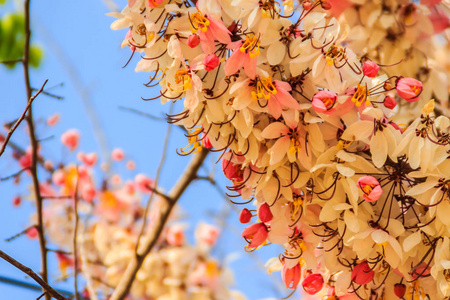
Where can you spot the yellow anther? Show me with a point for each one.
(194, 142)
(361, 95)
(251, 45)
(199, 21)
(263, 88)
(182, 78)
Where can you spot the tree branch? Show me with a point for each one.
(34, 149)
(149, 241)
(11, 131)
(46, 288)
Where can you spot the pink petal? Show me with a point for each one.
(220, 32)
(234, 62)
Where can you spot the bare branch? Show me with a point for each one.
(19, 234)
(34, 150)
(11, 131)
(47, 288)
(158, 174)
(14, 175)
(150, 239)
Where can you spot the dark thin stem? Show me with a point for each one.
(34, 151)
(11, 131)
(50, 292)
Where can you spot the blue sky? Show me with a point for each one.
(83, 54)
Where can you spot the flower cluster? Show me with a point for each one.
(410, 32)
(112, 214)
(306, 126)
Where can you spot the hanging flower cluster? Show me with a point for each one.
(410, 32)
(112, 215)
(306, 127)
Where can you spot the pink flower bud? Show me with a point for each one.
(362, 274)
(264, 213)
(313, 283)
(175, 235)
(399, 290)
(87, 159)
(323, 101)
(53, 120)
(306, 4)
(409, 89)
(255, 234)
(211, 62)
(207, 234)
(193, 40)
(131, 165)
(370, 187)
(16, 201)
(25, 160)
(32, 233)
(117, 154)
(291, 276)
(143, 183)
(370, 69)
(70, 139)
(389, 102)
(245, 216)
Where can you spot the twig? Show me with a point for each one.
(30, 286)
(51, 95)
(75, 233)
(59, 251)
(141, 113)
(6, 62)
(152, 117)
(46, 288)
(34, 149)
(14, 175)
(11, 131)
(158, 174)
(151, 237)
(19, 234)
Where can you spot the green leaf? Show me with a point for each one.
(36, 55)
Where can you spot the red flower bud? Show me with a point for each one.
(193, 40)
(291, 276)
(389, 102)
(306, 5)
(211, 62)
(313, 283)
(399, 290)
(16, 201)
(362, 274)
(409, 89)
(370, 69)
(256, 234)
(245, 216)
(264, 213)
